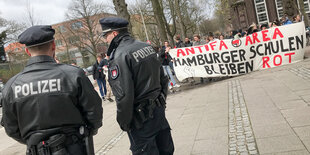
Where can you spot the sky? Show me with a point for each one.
(45, 11)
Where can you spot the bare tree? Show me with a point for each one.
(121, 9)
(84, 27)
(144, 8)
(31, 19)
(169, 20)
(289, 7)
(10, 30)
(64, 40)
(158, 13)
(303, 12)
(180, 18)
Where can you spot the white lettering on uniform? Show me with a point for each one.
(32, 92)
(44, 86)
(58, 84)
(39, 87)
(25, 89)
(44, 90)
(52, 85)
(143, 53)
(135, 55)
(17, 90)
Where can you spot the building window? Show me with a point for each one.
(76, 25)
(74, 39)
(62, 29)
(261, 11)
(279, 6)
(58, 43)
(306, 5)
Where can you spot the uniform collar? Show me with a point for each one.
(115, 42)
(40, 59)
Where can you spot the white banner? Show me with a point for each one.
(265, 49)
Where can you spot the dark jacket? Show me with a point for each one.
(135, 75)
(98, 71)
(188, 44)
(48, 96)
(179, 44)
(165, 57)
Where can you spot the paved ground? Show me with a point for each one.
(264, 112)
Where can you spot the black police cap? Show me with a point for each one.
(37, 35)
(112, 23)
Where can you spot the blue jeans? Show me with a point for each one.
(101, 82)
(167, 70)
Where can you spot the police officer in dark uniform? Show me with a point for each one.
(140, 88)
(50, 107)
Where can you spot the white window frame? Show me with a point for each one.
(304, 5)
(279, 8)
(266, 12)
(62, 29)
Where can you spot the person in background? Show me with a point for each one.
(99, 76)
(238, 35)
(244, 33)
(197, 40)
(252, 29)
(140, 89)
(187, 42)
(296, 18)
(211, 37)
(231, 34)
(207, 39)
(178, 42)
(264, 27)
(104, 65)
(222, 37)
(166, 59)
(275, 23)
(285, 20)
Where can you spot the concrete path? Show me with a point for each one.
(265, 112)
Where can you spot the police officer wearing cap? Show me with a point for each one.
(140, 88)
(49, 107)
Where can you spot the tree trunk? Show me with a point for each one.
(158, 13)
(288, 7)
(169, 33)
(121, 9)
(303, 12)
(181, 22)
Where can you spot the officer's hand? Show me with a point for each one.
(125, 127)
(93, 132)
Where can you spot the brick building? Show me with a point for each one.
(73, 43)
(246, 12)
(16, 52)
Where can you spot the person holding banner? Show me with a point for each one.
(187, 42)
(197, 40)
(166, 59)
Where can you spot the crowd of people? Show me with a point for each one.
(196, 39)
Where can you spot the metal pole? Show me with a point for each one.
(147, 37)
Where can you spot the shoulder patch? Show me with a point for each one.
(114, 72)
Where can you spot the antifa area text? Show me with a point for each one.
(270, 51)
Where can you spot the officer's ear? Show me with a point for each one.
(53, 46)
(27, 51)
(115, 33)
